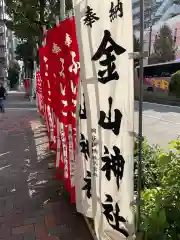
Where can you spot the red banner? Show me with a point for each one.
(39, 95)
(59, 70)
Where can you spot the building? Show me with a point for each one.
(7, 44)
(150, 8)
(11, 44)
(167, 10)
(155, 11)
(3, 62)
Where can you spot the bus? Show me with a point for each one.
(158, 75)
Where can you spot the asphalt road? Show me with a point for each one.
(161, 123)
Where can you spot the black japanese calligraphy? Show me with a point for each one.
(87, 186)
(116, 10)
(84, 146)
(112, 74)
(95, 153)
(112, 215)
(90, 17)
(109, 124)
(82, 111)
(113, 164)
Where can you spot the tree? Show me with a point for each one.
(13, 73)
(164, 47)
(27, 20)
(28, 16)
(174, 85)
(25, 53)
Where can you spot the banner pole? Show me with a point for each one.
(62, 9)
(141, 78)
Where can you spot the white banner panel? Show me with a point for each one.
(105, 38)
(83, 167)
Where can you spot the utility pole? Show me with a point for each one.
(150, 31)
(141, 79)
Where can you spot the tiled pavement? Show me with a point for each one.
(33, 204)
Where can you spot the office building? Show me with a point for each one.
(155, 11)
(3, 60)
(150, 8)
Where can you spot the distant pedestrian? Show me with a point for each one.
(2, 97)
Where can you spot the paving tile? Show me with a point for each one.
(40, 230)
(5, 232)
(50, 221)
(31, 220)
(15, 237)
(49, 238)
(36, 210)
(16, 220)
(60, 230)
(3, 191)
(29, 236)
(23, 229)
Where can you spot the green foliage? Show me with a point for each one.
(24, 15)
(13, 73)
(28, 16)
(174, 86)
(164, 48)
(24, 51)
(149, 165)
(160, 214)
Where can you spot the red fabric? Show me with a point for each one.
(59, 70)
(39, 95)
(72, 70)
(43, 53)
(56, 58)
(63, 71)
(26, 83)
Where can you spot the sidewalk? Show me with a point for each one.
(33, 205)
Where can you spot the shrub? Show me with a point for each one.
(149, 165)
(174, 86)
(160, 214)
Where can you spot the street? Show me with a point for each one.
(161, 123)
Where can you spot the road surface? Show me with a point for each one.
(161, 123)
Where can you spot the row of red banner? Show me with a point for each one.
(56, 90)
